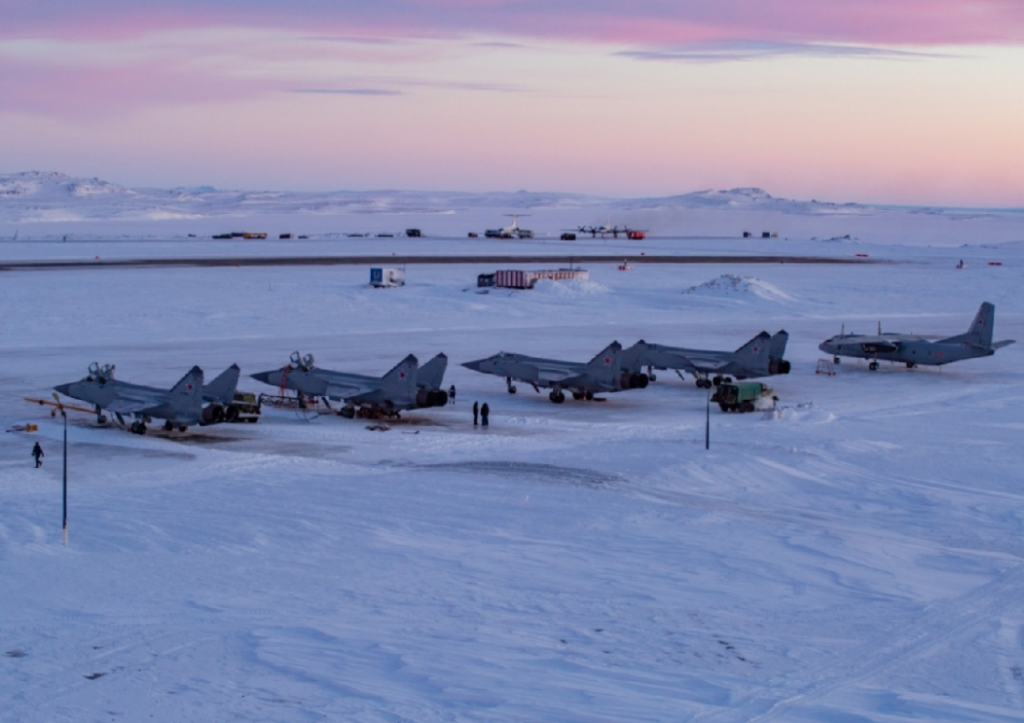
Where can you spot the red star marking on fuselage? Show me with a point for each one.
(607, 360)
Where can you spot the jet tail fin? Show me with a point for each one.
(607, 363)
(222, 389)
(635, 357)
(402, 379)
(754, 355)
(431, 374)
(1001, 344)
(190, 387)
(980, 331)
(777, 344)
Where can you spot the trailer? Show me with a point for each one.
(519, 279)
(381, 278)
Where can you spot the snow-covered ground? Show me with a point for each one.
(856, 556)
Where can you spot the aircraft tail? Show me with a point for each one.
(754, 355)
(431, 374)
(635, 357)
(776, 351)
(607, 364)
(223, 388)
(190, 388)
(980, 331)
(401, 381)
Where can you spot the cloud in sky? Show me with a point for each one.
(659, 22)
(645, 97)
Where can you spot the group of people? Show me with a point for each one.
(481, 414)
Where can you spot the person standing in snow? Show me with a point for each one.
(451, 394)
(485, 412)
(37, 452)
(476, 412)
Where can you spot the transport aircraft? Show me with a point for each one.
(512, 231)
(406, 386)
(912, 350)
(603, 373)
(759, 357)
(180, 407)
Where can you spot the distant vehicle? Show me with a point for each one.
(485, 280)
(383, 278)
(413, 233)
(912, 350)
(741, 396)
(603, 373)
(284, 237)
(180, 407)
(512, 231)
(473, 234)
(406, 386)
(247, 408)
(762, 356)
(567, 236)
(221, 236)
(385, 235)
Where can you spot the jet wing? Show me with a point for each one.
(124, 404)
(344, 390)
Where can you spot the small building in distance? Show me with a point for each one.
(381, 278)
(519, 279)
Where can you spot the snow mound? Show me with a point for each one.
(733, 286)
(805, 413)
(569, 287)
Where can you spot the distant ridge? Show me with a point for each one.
(50, 196)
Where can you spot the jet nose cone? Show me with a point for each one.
(64, 389)
(262, 377)
(474, 365)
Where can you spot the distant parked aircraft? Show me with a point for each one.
(603, 373)
(407, 386)
(180, 407)
(759, 357)
(512, 231)
(913, 350)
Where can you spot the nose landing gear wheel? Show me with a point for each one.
(556, 397)
(873, 366)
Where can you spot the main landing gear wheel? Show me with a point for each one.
(348, 412)
(588, 395)
(168, 427)
(138, 428)
(512, 389)
(556, 397)
(835, 360)
(577, 396)
(873, 366)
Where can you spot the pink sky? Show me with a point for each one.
(903, 101)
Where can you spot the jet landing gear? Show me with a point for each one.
(510, 385)
(873, 366)
(138, 427)
(556, 396)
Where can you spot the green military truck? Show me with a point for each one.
(743, 396)
(245, 408)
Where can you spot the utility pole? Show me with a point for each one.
(63, 413)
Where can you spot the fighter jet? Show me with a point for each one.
(913, 350)
(407, 386)
(180, 407)
(603, 373)
(760, 357)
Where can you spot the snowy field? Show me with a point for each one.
(857, 556)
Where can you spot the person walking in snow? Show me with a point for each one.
(451, 394)
(485, 412)
(37, 452)
(476, 412)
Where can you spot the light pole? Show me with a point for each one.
(707, 422)
(63, 413)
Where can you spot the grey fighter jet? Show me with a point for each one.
(180, 407)
(407, 386)
(603, 373)
(912, 350)
(760, 357)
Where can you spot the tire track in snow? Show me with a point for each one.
(938, 624)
